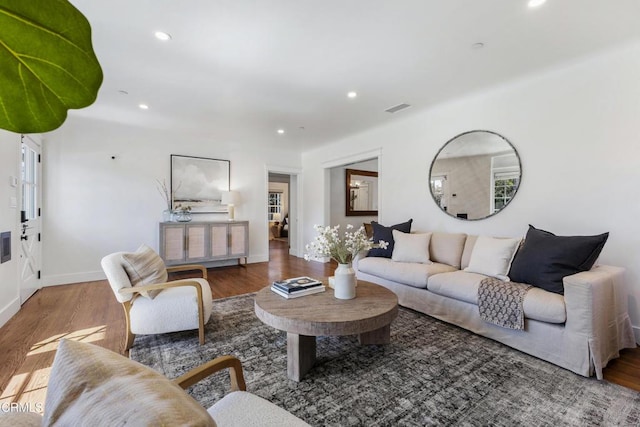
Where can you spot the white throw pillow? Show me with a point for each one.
(409, 247)
(492, 256)
(145, 267)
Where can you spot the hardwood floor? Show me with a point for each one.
(89, 312)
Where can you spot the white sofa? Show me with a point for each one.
(581, 330)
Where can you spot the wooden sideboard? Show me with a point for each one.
(200, 242)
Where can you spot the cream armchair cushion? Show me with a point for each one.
(173, 309)
(231, 410)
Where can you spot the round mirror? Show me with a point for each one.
(475, 175)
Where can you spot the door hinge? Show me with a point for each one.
(38, 274)
(39, 212)
(39, 158)
(39, 237)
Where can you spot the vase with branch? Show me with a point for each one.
(342, 249)
(167, 196)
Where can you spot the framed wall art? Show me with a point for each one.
(198, 182)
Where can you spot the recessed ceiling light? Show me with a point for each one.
(478, 45)
(280, 131)
(536, 3)
(161, 35)
(143, 106)
(352, 94)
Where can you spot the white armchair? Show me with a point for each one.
(178, 305)
(92, 386)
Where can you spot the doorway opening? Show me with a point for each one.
(278, 214)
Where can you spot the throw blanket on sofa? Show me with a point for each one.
(501, 302)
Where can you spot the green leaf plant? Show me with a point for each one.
(47, 64)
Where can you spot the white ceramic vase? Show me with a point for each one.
(344, 282)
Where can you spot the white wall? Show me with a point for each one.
(95, 205)
(9, 221)
(577, 131)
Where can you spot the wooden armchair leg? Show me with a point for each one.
(130, 336)
(200, 314)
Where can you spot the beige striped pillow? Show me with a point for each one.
(92, 386)
(145, 267)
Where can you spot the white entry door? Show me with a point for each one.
(30, 245)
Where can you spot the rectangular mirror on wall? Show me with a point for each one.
(362, 192)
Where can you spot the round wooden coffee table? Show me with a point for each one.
(369, 315)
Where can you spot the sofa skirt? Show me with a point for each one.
(551, 342)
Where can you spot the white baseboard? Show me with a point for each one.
(90, 276)
(9, 310)
(65, 279)
(258, 258)
(636, 332)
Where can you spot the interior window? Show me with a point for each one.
(275, 206)
(29, 182)
(505, 185)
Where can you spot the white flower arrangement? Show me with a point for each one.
(343, 250)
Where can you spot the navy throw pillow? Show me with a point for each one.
(544, 258)
(380, 232)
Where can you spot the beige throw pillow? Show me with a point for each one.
(92, 386)
(411, 247)
(145, 267)
(492, 256)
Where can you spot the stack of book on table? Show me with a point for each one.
(297, 287)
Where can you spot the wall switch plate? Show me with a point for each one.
(13, 181)
(13, 202)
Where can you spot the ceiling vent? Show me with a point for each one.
(397, 108)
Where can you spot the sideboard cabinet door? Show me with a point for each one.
(196, 245)
(239, 236)
(172, 248)
(219, 242)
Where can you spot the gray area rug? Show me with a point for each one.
(432, 373)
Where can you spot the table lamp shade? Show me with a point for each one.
(229, 197)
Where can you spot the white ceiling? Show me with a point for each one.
(237, 70)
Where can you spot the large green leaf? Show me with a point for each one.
(47, 64)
